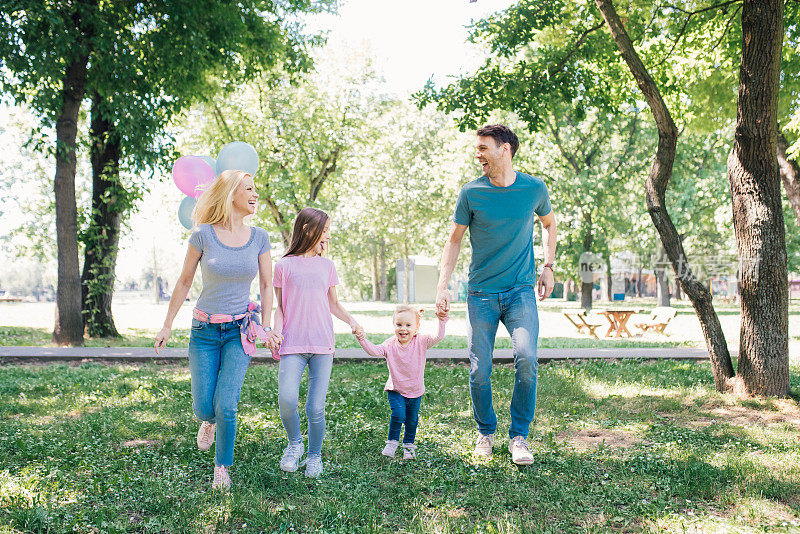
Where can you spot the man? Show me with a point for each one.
(499, 208)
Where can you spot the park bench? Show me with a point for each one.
(578, 319)
(658, 320)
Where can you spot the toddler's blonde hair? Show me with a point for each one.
(418, 312)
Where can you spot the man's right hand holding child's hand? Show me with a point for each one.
(441, 314)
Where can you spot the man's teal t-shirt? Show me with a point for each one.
(501, 222)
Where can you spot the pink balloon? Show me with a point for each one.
(190, 173)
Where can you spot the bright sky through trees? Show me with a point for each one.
(412, 39)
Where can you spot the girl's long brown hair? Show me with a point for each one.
(308, 228)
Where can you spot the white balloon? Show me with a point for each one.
(238, 155)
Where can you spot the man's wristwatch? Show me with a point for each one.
(550, 266)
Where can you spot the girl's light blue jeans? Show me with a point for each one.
(289, 375)
(516, 308)
(217, 363)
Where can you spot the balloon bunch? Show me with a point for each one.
(193, 173)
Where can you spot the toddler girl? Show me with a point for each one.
(305, 288)
(405, 356)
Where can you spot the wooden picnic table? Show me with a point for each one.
(617, 319)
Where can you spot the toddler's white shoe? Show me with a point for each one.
(409, 451)
(390, 448)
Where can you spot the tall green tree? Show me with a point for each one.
(303, 128)
(670, 40)
(138, 63)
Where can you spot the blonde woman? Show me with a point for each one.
(225, 323)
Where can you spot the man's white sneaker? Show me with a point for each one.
(205, 435)
(409, 451)
(291, 457)
(520, 451)
(222, 480)
(314, 466)
(390, 448)
(484, 444)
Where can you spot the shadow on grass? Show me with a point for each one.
(76, 471)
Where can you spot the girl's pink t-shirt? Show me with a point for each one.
(406, 364)
(307, 323)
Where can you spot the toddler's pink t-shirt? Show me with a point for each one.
(307, 323)
(406, 364)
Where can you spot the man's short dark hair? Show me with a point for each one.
(501, 134)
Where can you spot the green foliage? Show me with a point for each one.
(303, 128)
(540, 54)
(617, 447)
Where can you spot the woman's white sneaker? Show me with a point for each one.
(222, 480)
(290, 461)
(520, 451)
(205, 435)
(390, 448)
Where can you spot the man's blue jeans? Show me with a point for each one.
(217, 363)
(516, 308)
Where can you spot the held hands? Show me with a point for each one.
(545, 284)
(441, 315)
(274, 340)
(358, 331)
(442, 303)
(162, 337)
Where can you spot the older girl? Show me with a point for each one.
(225, 324)
(305, 285)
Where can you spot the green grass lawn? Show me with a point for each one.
(24, 336)
(618, 446)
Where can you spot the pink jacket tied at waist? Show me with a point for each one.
(251, 329)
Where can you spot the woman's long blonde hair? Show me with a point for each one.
(215, 204)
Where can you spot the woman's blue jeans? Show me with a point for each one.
(516, 308)
(404, 411)
(289, 375)
(217, 363)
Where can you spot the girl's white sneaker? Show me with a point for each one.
(314, 466)
(409, 451)
(390, 448)
(291, 457)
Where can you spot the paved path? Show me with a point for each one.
(142, 354)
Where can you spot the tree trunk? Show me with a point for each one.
(587, 287)
(68, 329)
(639, 283)
(661, 279)
(109, 202)
(609, 280)
(757, 210)
(656, 187)
(376, 280)
(790, 176)
(384, 273)
(663, 288)
(407, 269)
